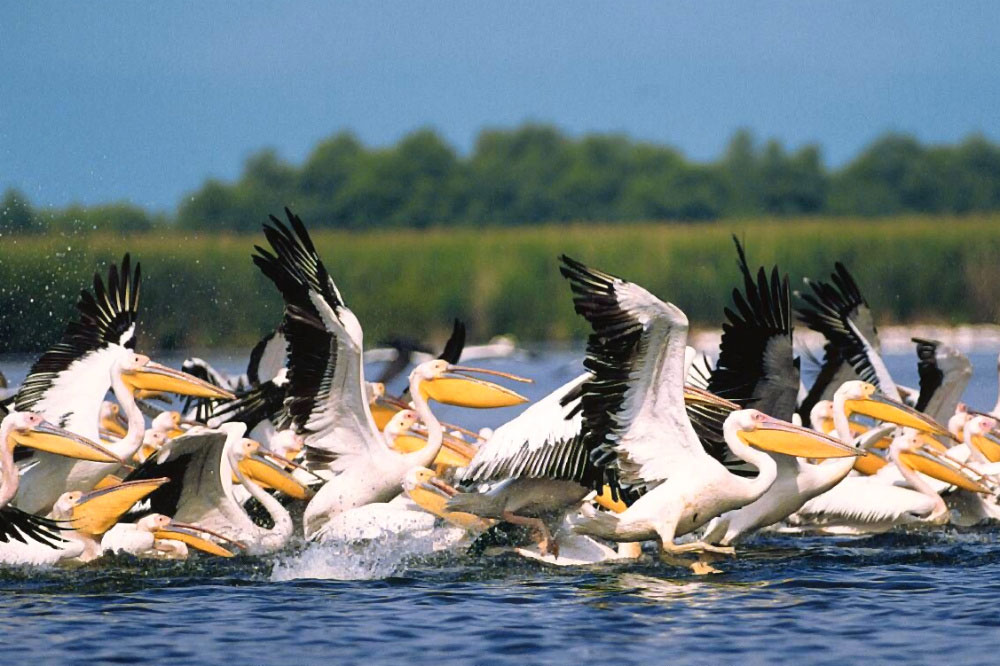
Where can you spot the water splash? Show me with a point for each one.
(363, 559)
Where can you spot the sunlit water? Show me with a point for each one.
(914, 597)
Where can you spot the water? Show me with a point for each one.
(918, 597)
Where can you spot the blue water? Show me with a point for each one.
(916, 597)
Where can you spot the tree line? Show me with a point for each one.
(537, 174)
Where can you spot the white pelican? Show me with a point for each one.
(637, 430)
(157, 536)
(68, 384)
(202, 465)
(26, 538)
(327, 399)
(757, 368)
(86, 518)
(799, 481)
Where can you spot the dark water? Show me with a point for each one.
(913, 597)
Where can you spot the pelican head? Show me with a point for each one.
(164, 529)
(257, 463)
(376, 390)
(30, 429)
(142, 374)
(152, 441)
(63, 508)
(153, 522)
(111, 419)
(912, 453)
(431, 494)
(863, 398)
(401, 422)
(958, 421)
(982, 436)
(770, 434)
(450, 384)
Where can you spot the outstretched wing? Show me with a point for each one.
(105, 317)
(544, 441)
(635, 427)
(17, 525)
(326, 399)
(944, 374)
(842, 315)
(756, 366)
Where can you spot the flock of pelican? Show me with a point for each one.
(652, 442)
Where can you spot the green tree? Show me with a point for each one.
(16, 215)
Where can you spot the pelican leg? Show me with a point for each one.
(546, 544)
(630, 549)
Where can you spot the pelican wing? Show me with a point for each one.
(16, 525)
(842, 315)
(200, 489)
(105, 317)
(267, 358)
(756, 366)
(931, 376)
(326, 399)
(944, 374)
(544, 441)
(634, 422)
(191, 453)
(263, 402)
(862, 500)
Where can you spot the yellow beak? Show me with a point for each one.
(883, 409)
(53, 439)
(453, 453)
(780, 437)
(608, 502)
(469, 392)
(191, 535)
(156, 377)
(108, 481)
(98, 510)
(268, 475)
(988, 445)
(869, 463)
(936, 466)
(432, 495)
(463, 391)
(382, 413)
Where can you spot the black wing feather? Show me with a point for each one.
(106, 317)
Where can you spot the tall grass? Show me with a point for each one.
(203, 291)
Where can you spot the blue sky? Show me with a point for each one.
(103, 101)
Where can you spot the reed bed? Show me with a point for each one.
(202, 291)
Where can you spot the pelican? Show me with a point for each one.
(69, 382)
(157, 536)
(201, 465)
(804, 480)
(86, 518)
(26, 538)
(637, 430)
(756, 368)
(327, 399)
